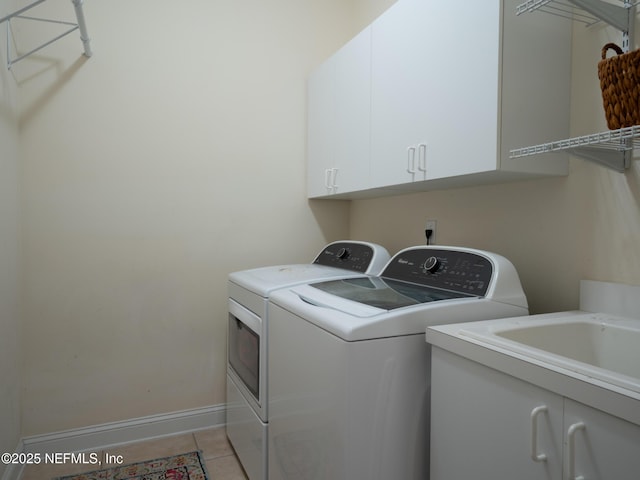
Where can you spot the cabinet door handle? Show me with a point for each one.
(334, 177)
(330, 179)
(411, 160)
(422, 157)
(327, 179)
(571, 435)
(535, 413)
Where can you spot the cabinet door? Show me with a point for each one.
(481, 424)
(339, 116)
(463, 101)
(435, 82)
(399, 67)
(604, 447)
(320, 115)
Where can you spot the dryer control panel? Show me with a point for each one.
(453, 270)
(359, 257)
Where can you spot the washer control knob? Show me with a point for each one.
(343, 254)
(431, 265)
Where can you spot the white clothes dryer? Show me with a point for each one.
(247, 372)
(349, 370)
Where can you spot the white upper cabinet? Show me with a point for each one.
(339, 113)
(435, 70)
(452, 88)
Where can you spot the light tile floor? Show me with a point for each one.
(221, 462)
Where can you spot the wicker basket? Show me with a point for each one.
(620, 84)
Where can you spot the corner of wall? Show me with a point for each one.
(10, 326)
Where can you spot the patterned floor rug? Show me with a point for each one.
(186, 466)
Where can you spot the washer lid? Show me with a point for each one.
(370, 296)
(385, 293)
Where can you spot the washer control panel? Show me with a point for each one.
(356, 256)
(454, 270)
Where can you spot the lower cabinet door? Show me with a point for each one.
(487, 425)
(599, 446)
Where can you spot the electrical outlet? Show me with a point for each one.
(431, 225)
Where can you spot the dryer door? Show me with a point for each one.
(244, 347)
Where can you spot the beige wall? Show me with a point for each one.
(10, 372)
(532, 223)
(611, 237)
(173, 156)
(177, 154)
(366, 11)
(556, 231)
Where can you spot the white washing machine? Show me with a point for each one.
(349, 370)
(247, 382)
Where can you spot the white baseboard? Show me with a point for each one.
(98, 437)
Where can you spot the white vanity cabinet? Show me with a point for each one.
(452, 88)
(339, 112)
(488, 425)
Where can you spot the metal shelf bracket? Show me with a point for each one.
(80, 25)
(589, 12)
(615, 16)
(618, 161)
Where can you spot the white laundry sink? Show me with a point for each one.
(599, 346)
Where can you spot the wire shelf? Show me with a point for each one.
(588, 12)
(559, 8)
(80, 25)
(613, 149)
(621, 140)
